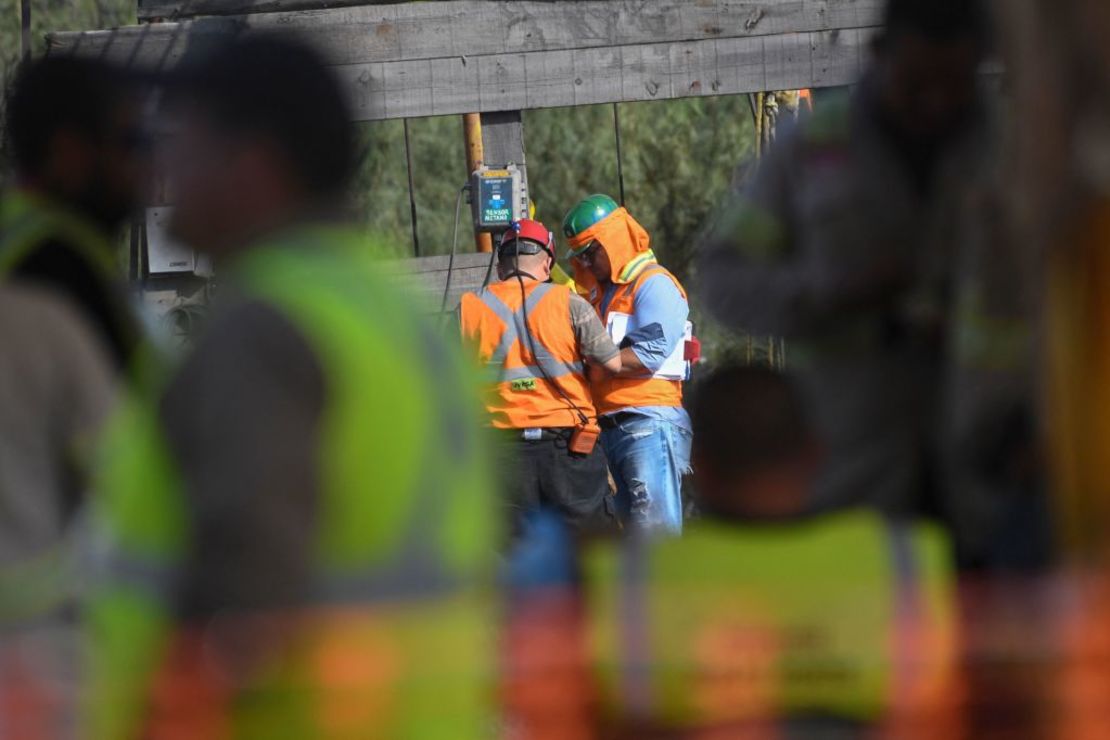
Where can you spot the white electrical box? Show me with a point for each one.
(166, 256)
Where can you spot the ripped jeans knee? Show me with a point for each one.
(648, 460)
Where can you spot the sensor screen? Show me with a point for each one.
(496, 201)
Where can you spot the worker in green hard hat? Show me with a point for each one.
(645, 310)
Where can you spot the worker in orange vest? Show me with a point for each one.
(536, 337)
(646, 433)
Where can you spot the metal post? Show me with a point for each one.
(475, 155)
(25, 28)
(620, 160)
(412, 193)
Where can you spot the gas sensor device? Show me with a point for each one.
(497, 198)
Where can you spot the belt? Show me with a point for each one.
(540, 434)
(612, 421)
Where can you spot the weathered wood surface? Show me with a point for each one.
(443, 58)
(426, 277)
(464, 28)
(156, 9)
(641, 72)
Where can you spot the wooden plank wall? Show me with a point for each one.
(440, 58)
(426, 277)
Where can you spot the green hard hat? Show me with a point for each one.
(588, 212)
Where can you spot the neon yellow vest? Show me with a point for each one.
(41, 585)
(739, 623)
(26, 221)
(407, 498)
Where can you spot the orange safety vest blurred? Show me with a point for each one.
(521, 397)
(615, 394)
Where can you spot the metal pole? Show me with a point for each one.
(25, 28)
(475, 155)
(620, 160)
(412, 192)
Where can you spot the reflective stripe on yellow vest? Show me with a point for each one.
(616, 393)
(520, 395)
(404, 525)
(731, 623)
(27, 221)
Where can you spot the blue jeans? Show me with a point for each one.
(648, 458)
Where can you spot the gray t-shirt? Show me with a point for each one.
(594, 342)
(57, 388)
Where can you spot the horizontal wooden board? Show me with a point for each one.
(426, 277)
(544, 79)
(639, 72)
(465, 28)
(149, 9)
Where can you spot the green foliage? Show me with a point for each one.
(678, 160)
(56, 15)
(52, 15)
(439, 171)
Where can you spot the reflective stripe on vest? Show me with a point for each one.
(516, 330)
(26, 221)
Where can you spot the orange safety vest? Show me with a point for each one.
(615, 393)
(520, 396)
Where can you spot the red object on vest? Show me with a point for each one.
(693, 350)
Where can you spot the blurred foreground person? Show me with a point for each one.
(852, 241)
(645, 429)
(537, 337)
(296, 532)
(56, 390)
(73, 139)
(77, 146)
(758, 613)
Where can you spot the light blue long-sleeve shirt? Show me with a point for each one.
(657, 326)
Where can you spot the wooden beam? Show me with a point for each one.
(466, 28)
(426, 277)
(151, 9)
(503, 140)
(545, 79)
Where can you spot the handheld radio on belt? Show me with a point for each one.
(586, 433)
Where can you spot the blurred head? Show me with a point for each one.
(926, 62)
(74, 130)
(264, 140)
(754, 455)
(527, 247)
